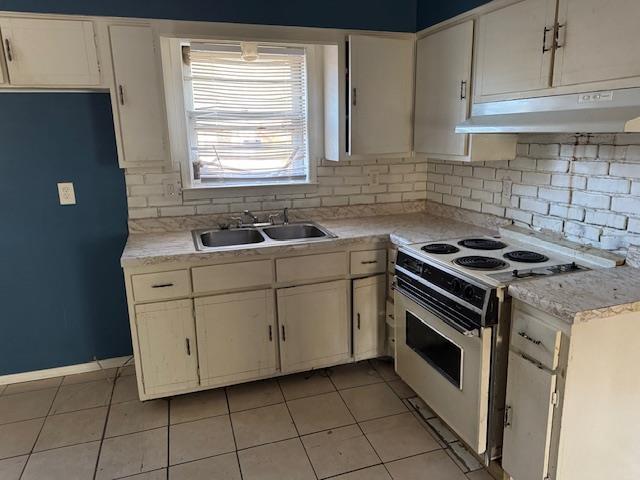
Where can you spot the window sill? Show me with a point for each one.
(197, 193)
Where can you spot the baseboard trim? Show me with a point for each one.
(60, 371)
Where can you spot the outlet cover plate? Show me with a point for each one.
(66, 193)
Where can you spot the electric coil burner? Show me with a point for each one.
(482, 244)
(526, 256)
(440, 248)
(481, 263)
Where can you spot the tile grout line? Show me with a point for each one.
(104, 428)
(41, 428)
(233, 433)
(299, 437)
(169, 402)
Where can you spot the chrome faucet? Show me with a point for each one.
(253, 217)
(239, 221)
(284, 215)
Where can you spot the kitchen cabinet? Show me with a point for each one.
(49, 53)
(167, 344)
(531, 395)
(380, 99)
(314, 325)
(141, 117)
(515, 48)
(443, 76)
(597, 41)
(369, 303)
(236, 336)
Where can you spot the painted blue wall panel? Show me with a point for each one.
(430, 12)
(398, 15)
(61, 286)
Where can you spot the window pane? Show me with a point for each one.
(248, 121)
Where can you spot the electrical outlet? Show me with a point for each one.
(171, 188)
(66, 193)
(374, 179)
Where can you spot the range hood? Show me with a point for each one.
(611, 111)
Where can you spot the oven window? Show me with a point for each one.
(440, 352)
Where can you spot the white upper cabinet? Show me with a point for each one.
(141, 117)
(49, 53)
(515, 48)
(443, 75)
(380, 93)
(597, 41)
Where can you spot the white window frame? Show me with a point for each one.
(171, 51)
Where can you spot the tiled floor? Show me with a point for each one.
(353, 422)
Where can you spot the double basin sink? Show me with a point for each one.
(272, 234)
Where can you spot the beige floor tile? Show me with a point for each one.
(77, 462)
(385, 368)
(200, 439)
(222, 467)
(398, 436)
(262, 425)
(434, 466)
(72, 428)
(26, 406)
(127, 370)
(339, 451)
(305, 385)
(312, 414)
(107, 374)
(11, 468)
(354, 375)
(126, 389)
(372, 401)
(2, 387)
(82, 396)
(136, 416)
(402, 389)
(371, 473)
(254, 394)
(199, 405)
(154, 475)
(479, 475)
(284, 460)
(18, 438)
(132, 454)
(32, 386)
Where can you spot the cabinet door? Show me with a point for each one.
(236, 336)
(529, 415)
(141, 112)
(314, 325)
(369, 302)
(597, 41)
(380, 95)
(50, 52)
(511, 54)
(443, 75)
(167, 341)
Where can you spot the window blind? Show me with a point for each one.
(248, 115)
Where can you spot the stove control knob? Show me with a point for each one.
(456, 286)
(468, 292)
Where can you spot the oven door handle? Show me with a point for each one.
(467, 333)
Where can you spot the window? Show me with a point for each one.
(246, 113)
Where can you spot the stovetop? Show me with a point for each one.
(493, 260)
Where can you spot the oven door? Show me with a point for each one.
(448, 370)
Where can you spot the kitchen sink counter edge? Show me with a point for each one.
(144, 249)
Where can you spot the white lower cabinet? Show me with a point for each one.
(313, 322)
(369, 302)
(236, 337)
(167, 342)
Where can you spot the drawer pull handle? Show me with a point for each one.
(162, 285)
(9, 51)
(121, 94)
(507, 416)
(368, 262)
(358, 321)
(270, 333)
(188, 342)
(284, 334)
(528, 338)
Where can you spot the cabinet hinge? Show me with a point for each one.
(554, 399)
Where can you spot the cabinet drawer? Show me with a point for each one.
(230, 276)
(532, 337)
(310, 267)
(369, 261)
(160, 286)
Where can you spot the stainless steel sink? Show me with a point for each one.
(265, 235)
(294, 231)
(228, 238)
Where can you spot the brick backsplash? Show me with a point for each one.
(586, 188)
(339, 184)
